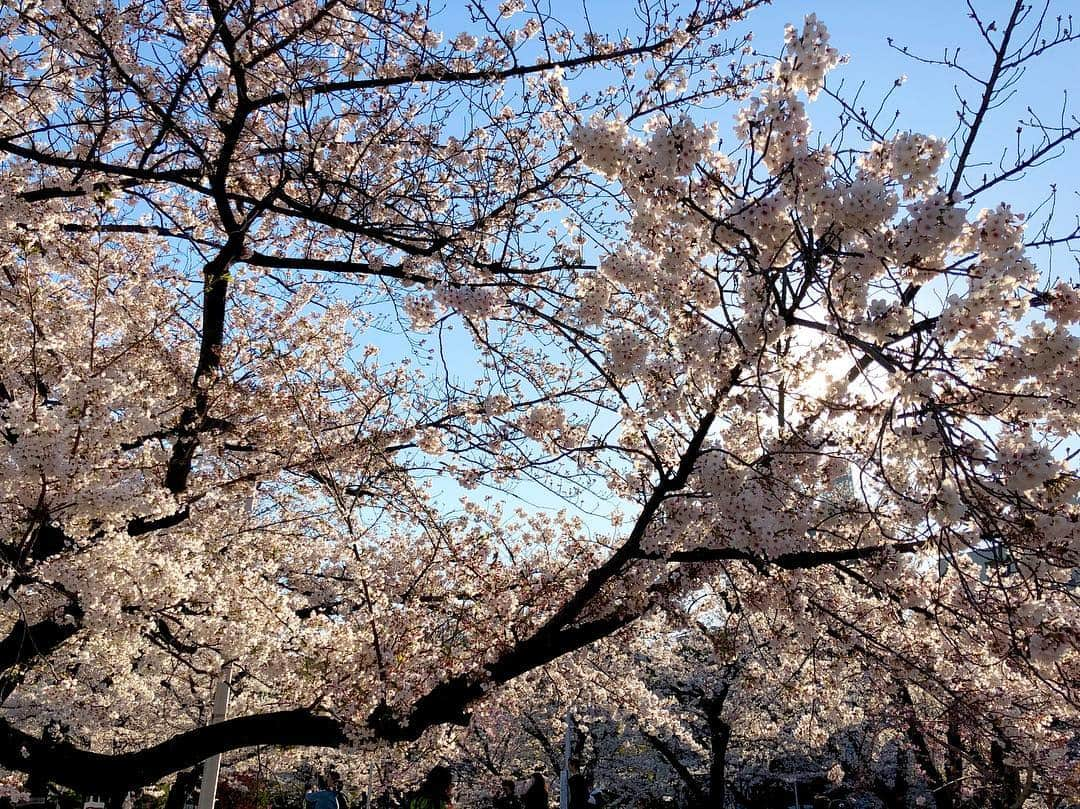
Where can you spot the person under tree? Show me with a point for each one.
(435, 792)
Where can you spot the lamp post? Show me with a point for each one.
(568, 752)
(212, 766)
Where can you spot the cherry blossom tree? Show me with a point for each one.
(298, 319)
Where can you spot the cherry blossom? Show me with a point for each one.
(413, 377)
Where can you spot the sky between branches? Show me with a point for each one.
(924, 101)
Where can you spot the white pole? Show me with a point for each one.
(208, 790)
(564, 776)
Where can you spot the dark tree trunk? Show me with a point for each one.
(183, 785)
(577, 779)
(719, 736)
(921, 748)
(1005, 791)
(697, 797)
(897, 797)
(950, 795)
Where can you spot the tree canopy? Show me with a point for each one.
(312, 309)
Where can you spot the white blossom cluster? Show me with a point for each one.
(543, 422)
(625, 350)
(421, 311)
(996, 280)
(593, 296)
(1024, 463)
(473, 301)
(775, 123)
(924, 237)
(601, 144)
(1064, 304)
(430, 440)
(866, 204)
(509, 8)
(766, 221)
(465, 42)
(629, 268)
(909, 159)
(807, 57)
(674, 150)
